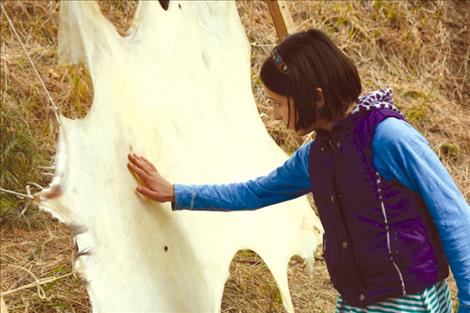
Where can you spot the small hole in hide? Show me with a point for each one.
(179, 5)
(164, 4)
(165, 248)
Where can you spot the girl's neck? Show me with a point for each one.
(328, 125)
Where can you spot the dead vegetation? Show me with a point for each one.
(420, 49)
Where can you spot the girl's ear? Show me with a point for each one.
(320, 99)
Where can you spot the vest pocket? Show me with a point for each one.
(413, 246)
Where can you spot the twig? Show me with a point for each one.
(255, 44)
(6, 71)
(37, 283)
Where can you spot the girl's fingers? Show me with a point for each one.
(147, 165)
(150, 164)
(137, 161)
(138, 171)
(148, 193)
(133, 159)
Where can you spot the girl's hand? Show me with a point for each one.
(154, 186)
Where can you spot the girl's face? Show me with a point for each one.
(281, 108)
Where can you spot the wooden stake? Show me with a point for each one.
(281, 17)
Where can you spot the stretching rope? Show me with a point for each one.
(21, 195)
(54, 107)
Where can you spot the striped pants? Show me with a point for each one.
(436, 299)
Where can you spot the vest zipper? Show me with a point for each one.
(389, 246)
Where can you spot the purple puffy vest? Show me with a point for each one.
(379, 239)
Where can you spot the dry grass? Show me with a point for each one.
(420, 49)
(41, 256)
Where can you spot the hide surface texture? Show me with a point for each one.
(177, 90)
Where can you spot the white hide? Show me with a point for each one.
(177, 90)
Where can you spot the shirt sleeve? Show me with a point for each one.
(401, 153)
(290, 180)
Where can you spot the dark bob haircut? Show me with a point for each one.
(305, 61)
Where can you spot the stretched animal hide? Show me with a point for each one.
(177, 90)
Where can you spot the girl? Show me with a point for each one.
(393, 217)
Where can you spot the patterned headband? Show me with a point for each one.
(279, 62)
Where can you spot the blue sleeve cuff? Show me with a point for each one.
(185, 196)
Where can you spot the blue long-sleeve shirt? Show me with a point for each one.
(406, 158)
